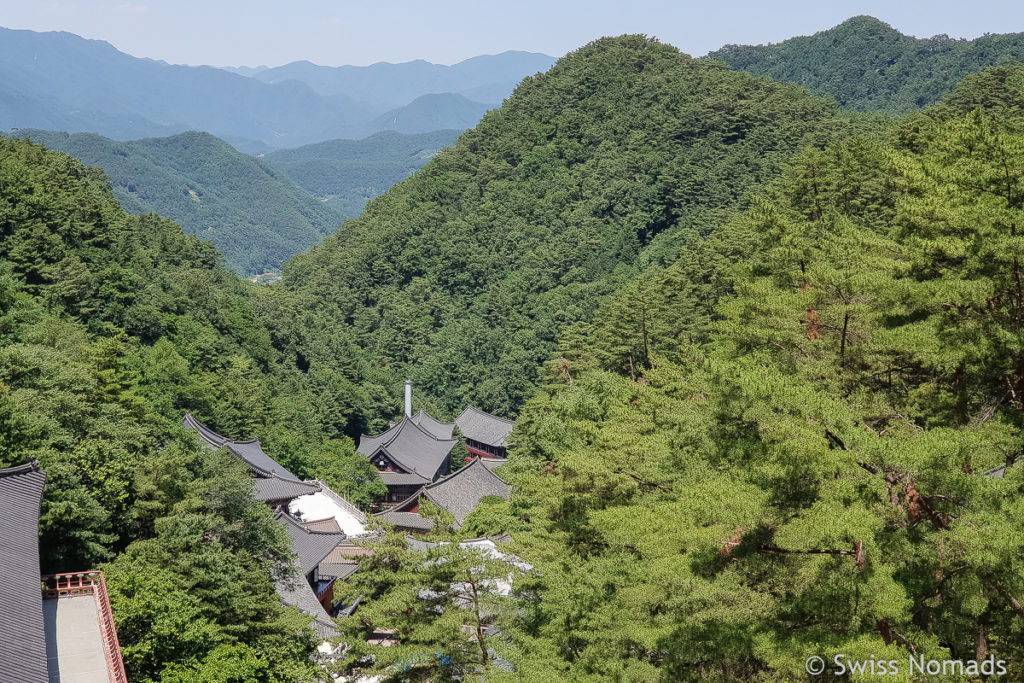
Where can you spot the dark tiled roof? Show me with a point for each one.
(484, 427)
(325, 524)
(440, 430)
(22, 635)
(406, 520)
(339, 570)
(997, 472)
(402, 479)
(493, 463)
(310, 546)
(459, 493)
(275, 488)
(298, 593)
(410, 446)
(250, 452)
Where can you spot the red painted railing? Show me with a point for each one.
(84, 583)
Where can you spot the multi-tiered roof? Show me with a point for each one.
(414, 451)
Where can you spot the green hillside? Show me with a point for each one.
(111, 327)
(348, 173)
(462, 276)
(867, 65)
(803, 469)
(256, 216)
(766, 358)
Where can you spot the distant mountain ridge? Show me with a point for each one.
(867, 65)
(61, 81)
(432, 112)
(254, 214)
(487, 79)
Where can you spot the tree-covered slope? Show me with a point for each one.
(111, 327)
(867, 65)
(805, 469)
(461, 276)
(255, 215)
(348, 173)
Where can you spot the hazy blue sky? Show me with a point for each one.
(233, 32)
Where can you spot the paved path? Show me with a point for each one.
(74, 645)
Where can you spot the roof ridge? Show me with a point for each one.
(476, 460)
(421, 429)
(484, 412)
(442, 422)
(30, 466)
(298, 525)
(314, 521)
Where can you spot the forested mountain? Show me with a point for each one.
(111, 326)
(431, 112)
(767, 357)
(60, 81)
(487, 78)
(778, 445)
(255, 215)
(867, 65)
(348, 173)
(461, 276)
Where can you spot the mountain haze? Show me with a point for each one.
(60, 81)
(255, 215)
(867, 65)
(431, 112)
(348, 173)
(487, 78)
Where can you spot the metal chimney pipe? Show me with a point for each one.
(408, 398)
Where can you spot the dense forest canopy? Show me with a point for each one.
(461, 277)
(767, 359)
(348, 173)
(111, 326)
(867, 65)
(803, 470)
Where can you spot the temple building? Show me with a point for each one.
(458, 494)
(412, 452)
(319, 523)
(279, 488)
(312, 591)
(486, 435)
(52, 628)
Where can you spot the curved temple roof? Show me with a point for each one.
(311, 548)
(483, 427)
(440, 430)
(22, 631)
(411, 446)
(250, 452)
(459, 493)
